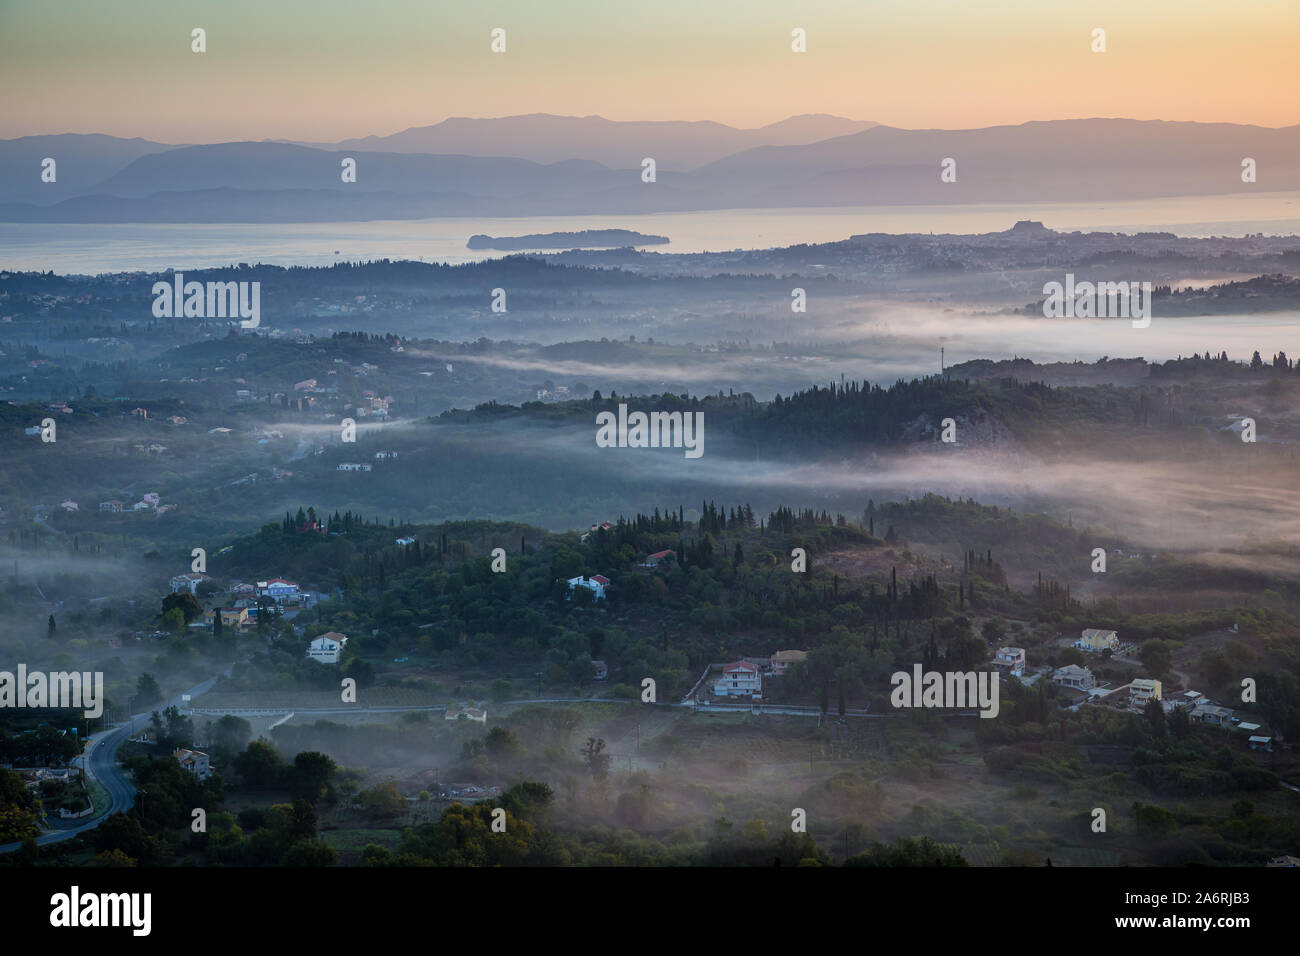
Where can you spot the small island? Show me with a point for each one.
(587, 239)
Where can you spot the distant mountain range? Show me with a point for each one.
(545, 138)
(516, 166)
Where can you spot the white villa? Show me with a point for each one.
(327, 648)
(739, 679)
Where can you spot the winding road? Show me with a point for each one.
(100, 762)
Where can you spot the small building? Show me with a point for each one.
(327, 648)
(658, 558)
(469, 713)
(405, 542)
(781, 660)
(1095, 641)
(596, 584)
(195, 761)
(603, 526)
(230, 616)
(600, 671)
(1141, 690)
(278, 590)
(69, 506)
(114, 506)
(1261, 743)
(1212, 714)
(739, 679)
(1072, 675)
(1011, 659)
(1183, 700)
(187, 582)
(354, 466)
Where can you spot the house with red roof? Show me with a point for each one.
(596, 584)
(739, 679)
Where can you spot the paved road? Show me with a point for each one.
(102, 766)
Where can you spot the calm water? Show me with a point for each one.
(152, 247)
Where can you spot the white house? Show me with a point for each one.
(596, 584)
(739, 679)
(405, 542)
(187, 582)
(327, 647)
(195, 761)
(278, 590)
(353, 466)
(1072, 675)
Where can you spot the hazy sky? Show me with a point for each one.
(330, 69)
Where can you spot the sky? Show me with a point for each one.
(324, 70)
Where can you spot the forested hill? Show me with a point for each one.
(989, 402)
(839, 415)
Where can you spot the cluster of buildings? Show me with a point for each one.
(247, 597)
(373, 405)
(1142, 690)
(149, 502)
